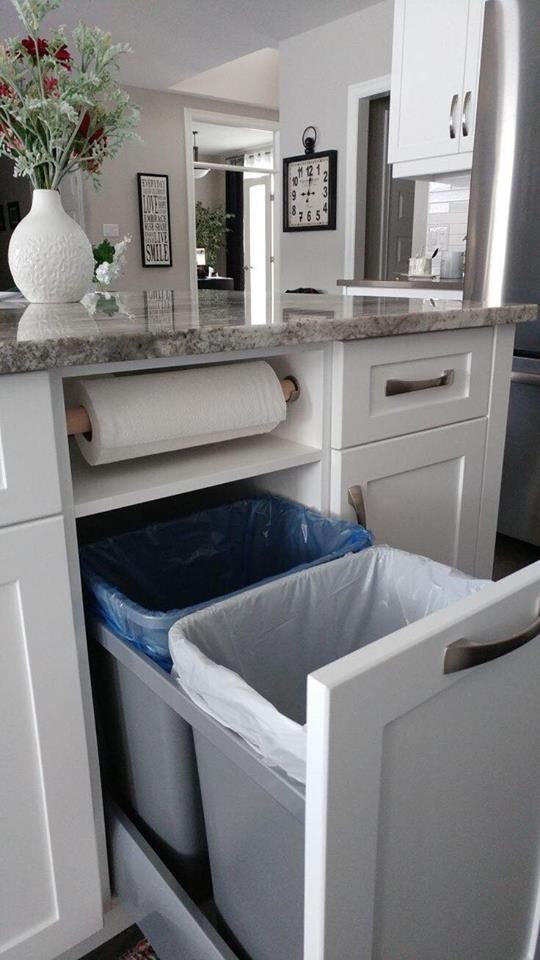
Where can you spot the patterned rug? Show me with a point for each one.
(141, 951)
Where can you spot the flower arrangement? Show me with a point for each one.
(61, 109)
(109, 259)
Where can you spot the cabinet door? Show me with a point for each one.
(49, 879)
(472, 74)
(29, 485)
(423, 788)
(428, 67)
(421, 492)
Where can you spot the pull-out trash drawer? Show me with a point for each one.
(422, 797)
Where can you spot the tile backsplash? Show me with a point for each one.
(448, 207)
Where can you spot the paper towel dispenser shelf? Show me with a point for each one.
(124, 483)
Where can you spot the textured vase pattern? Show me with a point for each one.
(50, 256)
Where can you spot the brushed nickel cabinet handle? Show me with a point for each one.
(395, 387)
(452, 117)
(465, 114)
(529, 379)
(464, 654)
(355, 497)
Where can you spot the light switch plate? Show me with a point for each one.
(111, 230)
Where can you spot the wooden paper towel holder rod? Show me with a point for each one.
(78, 421)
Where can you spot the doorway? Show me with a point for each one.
(231, 177)
(389, 204)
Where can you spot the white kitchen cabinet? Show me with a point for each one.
(435, 69)
(26, 440)
(421, 492)
(49, 879)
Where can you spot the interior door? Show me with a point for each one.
(430, 42)
(423, 788)
(258, 255)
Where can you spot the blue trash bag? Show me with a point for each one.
(140, 583)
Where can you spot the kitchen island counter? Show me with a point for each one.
(120, 327)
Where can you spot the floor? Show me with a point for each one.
(123, 947)
(510, 555)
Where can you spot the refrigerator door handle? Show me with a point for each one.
(530, 379)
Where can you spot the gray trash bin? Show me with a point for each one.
(138, 584)
(245, 662)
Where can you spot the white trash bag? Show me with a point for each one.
(245, 660)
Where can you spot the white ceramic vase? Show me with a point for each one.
(50, 256)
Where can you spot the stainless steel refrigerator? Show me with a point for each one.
(503, 237)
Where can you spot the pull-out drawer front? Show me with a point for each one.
(421, 492)
(423, 786)
(29, 486)
(398, 385)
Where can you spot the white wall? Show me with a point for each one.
(162, 150)
(317, 67)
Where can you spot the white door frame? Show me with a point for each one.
(192, 116)
(355, 94)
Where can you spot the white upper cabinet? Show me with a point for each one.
(435, 68)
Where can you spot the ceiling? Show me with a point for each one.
(174, 40)
(216, 139)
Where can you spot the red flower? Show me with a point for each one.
(64, 57)
(51, 85)
(84, 125)
(6, 91)
(36, 48)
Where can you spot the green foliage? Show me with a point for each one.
(61, 109)
(211, 228)
(103, 252)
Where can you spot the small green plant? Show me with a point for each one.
(211, 228)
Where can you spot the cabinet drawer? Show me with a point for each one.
(392, 386)
(29, 485)
(421, 492)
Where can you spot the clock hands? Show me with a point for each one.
(309, 193)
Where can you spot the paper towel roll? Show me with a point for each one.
(141, 414)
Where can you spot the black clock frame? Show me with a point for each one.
(332, 191)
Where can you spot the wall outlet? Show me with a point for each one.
(111, 230)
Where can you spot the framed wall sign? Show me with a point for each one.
(309, 191)
(154, 214)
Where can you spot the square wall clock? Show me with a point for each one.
(309, 191)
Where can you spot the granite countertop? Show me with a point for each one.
(164, 323)
(408, 283)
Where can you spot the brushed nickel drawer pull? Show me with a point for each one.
(463, 654)
(395, 387)
(529, 379)
(355, 497)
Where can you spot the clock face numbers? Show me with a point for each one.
(309, 192)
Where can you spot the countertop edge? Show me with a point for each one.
(26, 356)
